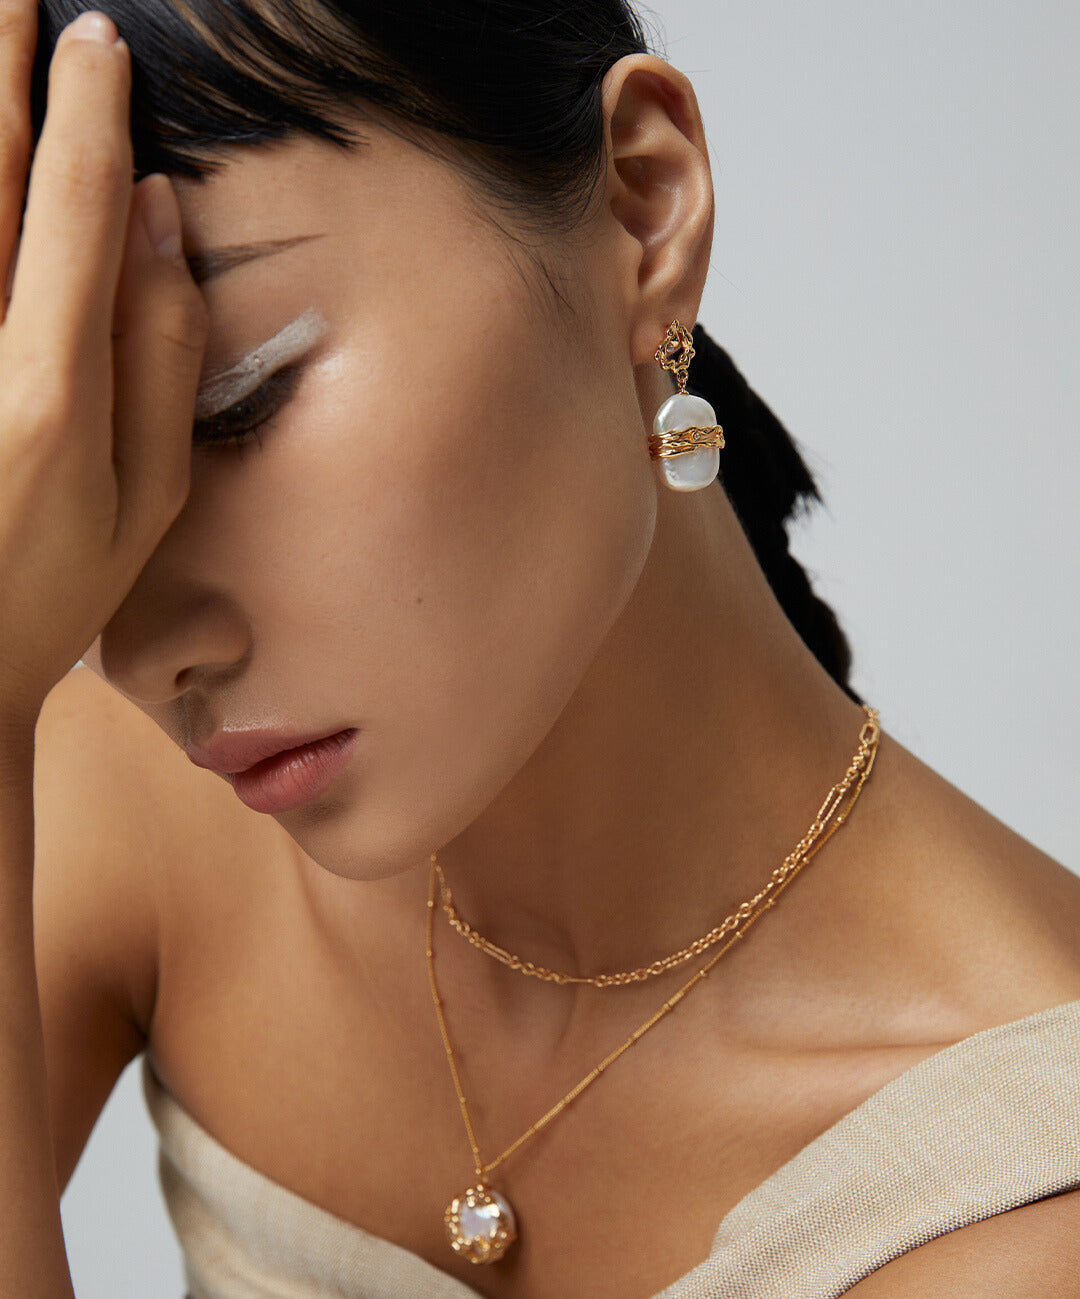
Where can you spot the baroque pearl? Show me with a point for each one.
(691, 469)
(484, 1219)
(480, 1224)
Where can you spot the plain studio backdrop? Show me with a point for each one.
(896, 270)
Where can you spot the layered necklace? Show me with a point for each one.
(480, 1223)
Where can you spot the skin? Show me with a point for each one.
(573, 683)
(499, 583)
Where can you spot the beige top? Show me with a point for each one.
(984, 1125)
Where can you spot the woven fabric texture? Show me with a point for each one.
(985, 1125)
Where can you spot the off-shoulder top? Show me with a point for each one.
(987, 1124)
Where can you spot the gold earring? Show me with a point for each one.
(686, 439)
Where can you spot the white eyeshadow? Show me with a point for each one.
(239, 381)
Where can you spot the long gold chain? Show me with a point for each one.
(868, 737)
(831, 815)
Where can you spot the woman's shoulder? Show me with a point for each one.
(99, 750)
(115, 792)
(927, 920)
(965, 903)
(117, 819)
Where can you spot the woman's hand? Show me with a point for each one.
(101, 348)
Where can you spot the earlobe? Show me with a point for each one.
(659, 191)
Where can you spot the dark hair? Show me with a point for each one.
(506, 90)
(768, 483)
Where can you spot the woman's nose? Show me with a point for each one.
(163, 640)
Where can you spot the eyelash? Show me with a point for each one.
(236, 425)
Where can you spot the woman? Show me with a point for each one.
(445, 516)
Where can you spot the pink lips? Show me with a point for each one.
(294, 777)
(231, 751)
(282, 779)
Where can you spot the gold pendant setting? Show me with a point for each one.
(480, 1224)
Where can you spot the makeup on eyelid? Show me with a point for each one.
(239, 381)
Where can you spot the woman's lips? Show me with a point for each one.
(295, 777)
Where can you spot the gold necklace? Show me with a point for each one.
(480, 1223)
(867, 737)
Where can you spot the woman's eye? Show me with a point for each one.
(245, 419)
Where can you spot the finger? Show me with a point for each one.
(160, 337)
(18, 39)
(77, 208)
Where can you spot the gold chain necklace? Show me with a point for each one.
(480, 1223)
(779, 877)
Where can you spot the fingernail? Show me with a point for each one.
(161, 216)
(93, 26)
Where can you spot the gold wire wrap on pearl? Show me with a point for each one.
(679, 441)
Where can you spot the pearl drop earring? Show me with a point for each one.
(686, 439)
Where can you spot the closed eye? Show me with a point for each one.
(247, 417)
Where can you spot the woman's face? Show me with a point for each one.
(444, 517)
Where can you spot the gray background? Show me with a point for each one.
(896, 269)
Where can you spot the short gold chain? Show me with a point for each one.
(830, 815)
(868, 738)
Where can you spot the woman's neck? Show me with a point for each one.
(689, 762)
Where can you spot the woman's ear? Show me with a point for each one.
(659, 190)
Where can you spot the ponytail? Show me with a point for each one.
(765, 479)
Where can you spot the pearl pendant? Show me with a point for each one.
(480, 1224)
(689, 470)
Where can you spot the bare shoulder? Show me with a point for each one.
(106, 822)
(1032, 1252)
(116, 812)
(976, 923)
(998, 926)
(102, 764)
(128, 832)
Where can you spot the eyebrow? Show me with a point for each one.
(216, 261)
